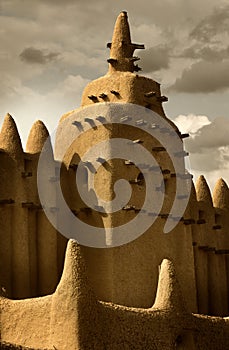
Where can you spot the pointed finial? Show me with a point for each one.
(9, 138)
(203, 193)
(74, 280)
(37, 137)
(121, 36)
(168, 291)
(122, 49)
(221, 195)
(78, 304)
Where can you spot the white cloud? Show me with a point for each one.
(205, 77)
(213, 135)
(191, 123)
(208, 146)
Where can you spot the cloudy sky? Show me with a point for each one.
(50, 49)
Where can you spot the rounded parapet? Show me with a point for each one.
(221, 195)
(169, 296)
(9, 138)
(37, 137)
(203, 193)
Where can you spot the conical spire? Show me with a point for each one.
(37, 137)
(122, 49)
(203, 193)
(168, 291)
(121, 35)
(221, 195)
(9, 138)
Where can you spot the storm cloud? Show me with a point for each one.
(211, 26)
(206, 53)
(204, 77)
(154, 58)
(37, 56)
(212, 135)
(209, 40)
(207, 49)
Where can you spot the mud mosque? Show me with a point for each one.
(159, 291)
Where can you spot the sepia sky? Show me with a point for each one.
(50, 49)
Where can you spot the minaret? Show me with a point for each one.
(121, 83)
(122, 86)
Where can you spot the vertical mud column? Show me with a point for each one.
(221, 204)
(197, 208)
(190, 219)
(67, 181)
(7, 194)
(46, 235)
(206, 206)
(11, 143)
(30, 205)
(179, 240)
(206, 246)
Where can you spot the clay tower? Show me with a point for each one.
(123, 86)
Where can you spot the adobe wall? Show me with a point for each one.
(32, 257)
(210, 244)
(28, 241)
(83, 322)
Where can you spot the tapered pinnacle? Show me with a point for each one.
(169, 295)
(122, 49)
(202, 191)
(121, 40)
(9, 138)
(37, 137)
